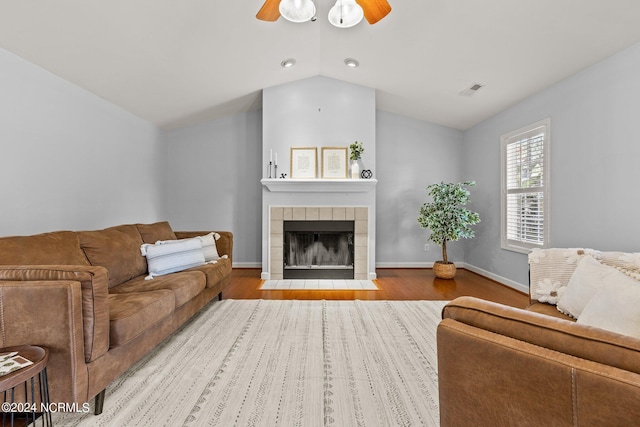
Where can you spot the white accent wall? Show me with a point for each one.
(71, 160)
(318, 112)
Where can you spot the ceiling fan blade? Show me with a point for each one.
(269, 11)
(374, 10)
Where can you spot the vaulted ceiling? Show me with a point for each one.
(180, 62)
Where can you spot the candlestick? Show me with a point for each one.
(269, 170)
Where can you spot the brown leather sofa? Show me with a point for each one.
(83, 295)
(504, 366)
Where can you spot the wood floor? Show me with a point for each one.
(393, 284)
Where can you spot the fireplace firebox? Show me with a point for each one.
(318, 250)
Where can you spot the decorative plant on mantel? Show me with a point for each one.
(356, 150)
(448, 220)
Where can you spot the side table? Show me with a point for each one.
(26, 391)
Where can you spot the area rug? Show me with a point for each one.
(285, 363)
(319, 284)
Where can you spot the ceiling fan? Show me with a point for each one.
(344, 14)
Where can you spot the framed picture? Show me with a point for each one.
(304, 162)
(334, 162)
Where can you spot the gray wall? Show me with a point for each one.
(207, 159)
(411, 155)
(594, 164)
(71, 160)
(213, 181)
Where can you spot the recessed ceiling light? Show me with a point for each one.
(288, 63)
(351, 63)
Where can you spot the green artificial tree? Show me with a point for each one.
(446, 216)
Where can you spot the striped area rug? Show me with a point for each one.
(285, 363)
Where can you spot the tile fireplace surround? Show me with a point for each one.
(319, 200)
(360, 216)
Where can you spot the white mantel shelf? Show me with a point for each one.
(319, 185)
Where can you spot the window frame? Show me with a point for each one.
(510, 138)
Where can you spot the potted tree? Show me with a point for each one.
(448, 220)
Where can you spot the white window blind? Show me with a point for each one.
(525, 179)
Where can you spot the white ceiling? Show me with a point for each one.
(180, 62)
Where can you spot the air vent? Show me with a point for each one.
(472, 89)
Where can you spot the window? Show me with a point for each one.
(525, 187)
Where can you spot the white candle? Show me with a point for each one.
(270, 155)
(276, 162)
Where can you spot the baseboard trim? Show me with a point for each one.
(246, 265)
(411, 264)
(502, 280)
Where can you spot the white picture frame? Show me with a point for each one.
(334, 162)
(304, 162)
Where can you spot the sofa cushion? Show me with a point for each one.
(615, 308)
(588, 278)
(170, 256)
(549, 310)
(553, 266)
(117, 249)
(185, 285)
(57, 248)
(151, 233)
(133, 313)
(215, 273)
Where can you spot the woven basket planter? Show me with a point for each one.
(444, 271)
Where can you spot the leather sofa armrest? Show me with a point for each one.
(48, 314)
(94, 284)
(561, 335)
(224, 244)
(488, 379)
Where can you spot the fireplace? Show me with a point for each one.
(320, 239)
(318, 250)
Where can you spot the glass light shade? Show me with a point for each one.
(297, 10)
(345, 13)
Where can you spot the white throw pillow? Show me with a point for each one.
(615, 308)
(209, 246)
(171, 256)
(589, 277)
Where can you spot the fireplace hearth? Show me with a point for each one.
(318, 250)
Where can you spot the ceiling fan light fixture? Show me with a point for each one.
(297, 11)
(345, 14)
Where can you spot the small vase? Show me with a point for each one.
(355, 169)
